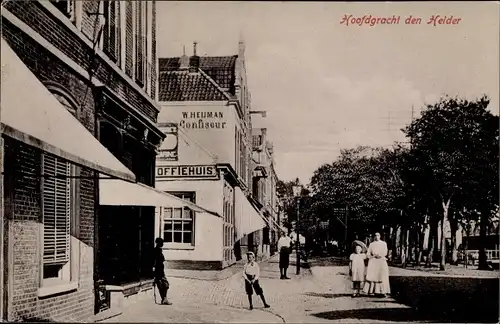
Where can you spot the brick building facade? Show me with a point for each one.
(98, 58)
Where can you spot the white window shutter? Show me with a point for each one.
(56, 210)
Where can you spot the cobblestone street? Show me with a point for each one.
(319, 294)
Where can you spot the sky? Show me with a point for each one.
(328, 86)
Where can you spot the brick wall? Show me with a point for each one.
(23, 213)
(39, 19)
(87, 208)
(49, 69)
(24, 227)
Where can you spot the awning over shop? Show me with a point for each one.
(248, 219)
(31, 114)
(114, 192)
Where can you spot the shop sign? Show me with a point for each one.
(169, 149)
(187, 172)
(203, 120)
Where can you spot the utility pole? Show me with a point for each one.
(345, 229)
(298, 236)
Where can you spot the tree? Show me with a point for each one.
(367, 180)
(450, 142)
(285, 192)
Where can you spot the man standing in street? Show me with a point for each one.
(284, 247)
(160, 280)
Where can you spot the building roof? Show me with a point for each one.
(217, 69)
(188, 86)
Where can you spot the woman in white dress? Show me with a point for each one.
(377, 272)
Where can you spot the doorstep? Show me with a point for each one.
(107, 314)
(121, 296)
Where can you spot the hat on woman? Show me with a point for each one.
(251, 253)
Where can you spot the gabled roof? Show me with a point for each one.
(188, 86)
(220, 69)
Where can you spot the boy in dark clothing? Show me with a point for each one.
(160, 280)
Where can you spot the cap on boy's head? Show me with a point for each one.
(159, 240)
(250, 253)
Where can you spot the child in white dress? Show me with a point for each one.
(357, 269)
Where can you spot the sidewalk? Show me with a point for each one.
(205, 298)
(451, 270)
(417, 296)
(338, 305)
(318, 295)
(186, 311)
(211, 275)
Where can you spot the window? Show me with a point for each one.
(129, 38)
(57, 210)
(67, 7)
(229, 218)
(60, 217)
(140, 42)
(257, 140)
(265, 235)
(112, 30)
(255, 188)
(244, 160)
(179, 222)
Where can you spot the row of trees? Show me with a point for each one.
(447, 172)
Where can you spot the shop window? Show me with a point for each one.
(179, 222)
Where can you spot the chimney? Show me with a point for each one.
(241, 46)
(264, 134)
(194, 61)
(184, 60)
(241, 49)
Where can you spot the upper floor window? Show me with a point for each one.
(112, 30)
(257, 140)
(67, 7)
(141, 42)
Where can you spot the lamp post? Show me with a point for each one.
(297, 190)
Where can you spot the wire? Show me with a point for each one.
(188, 139)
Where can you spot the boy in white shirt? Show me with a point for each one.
(251, 273)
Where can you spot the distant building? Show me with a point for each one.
(206, 158)
(264, 180)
